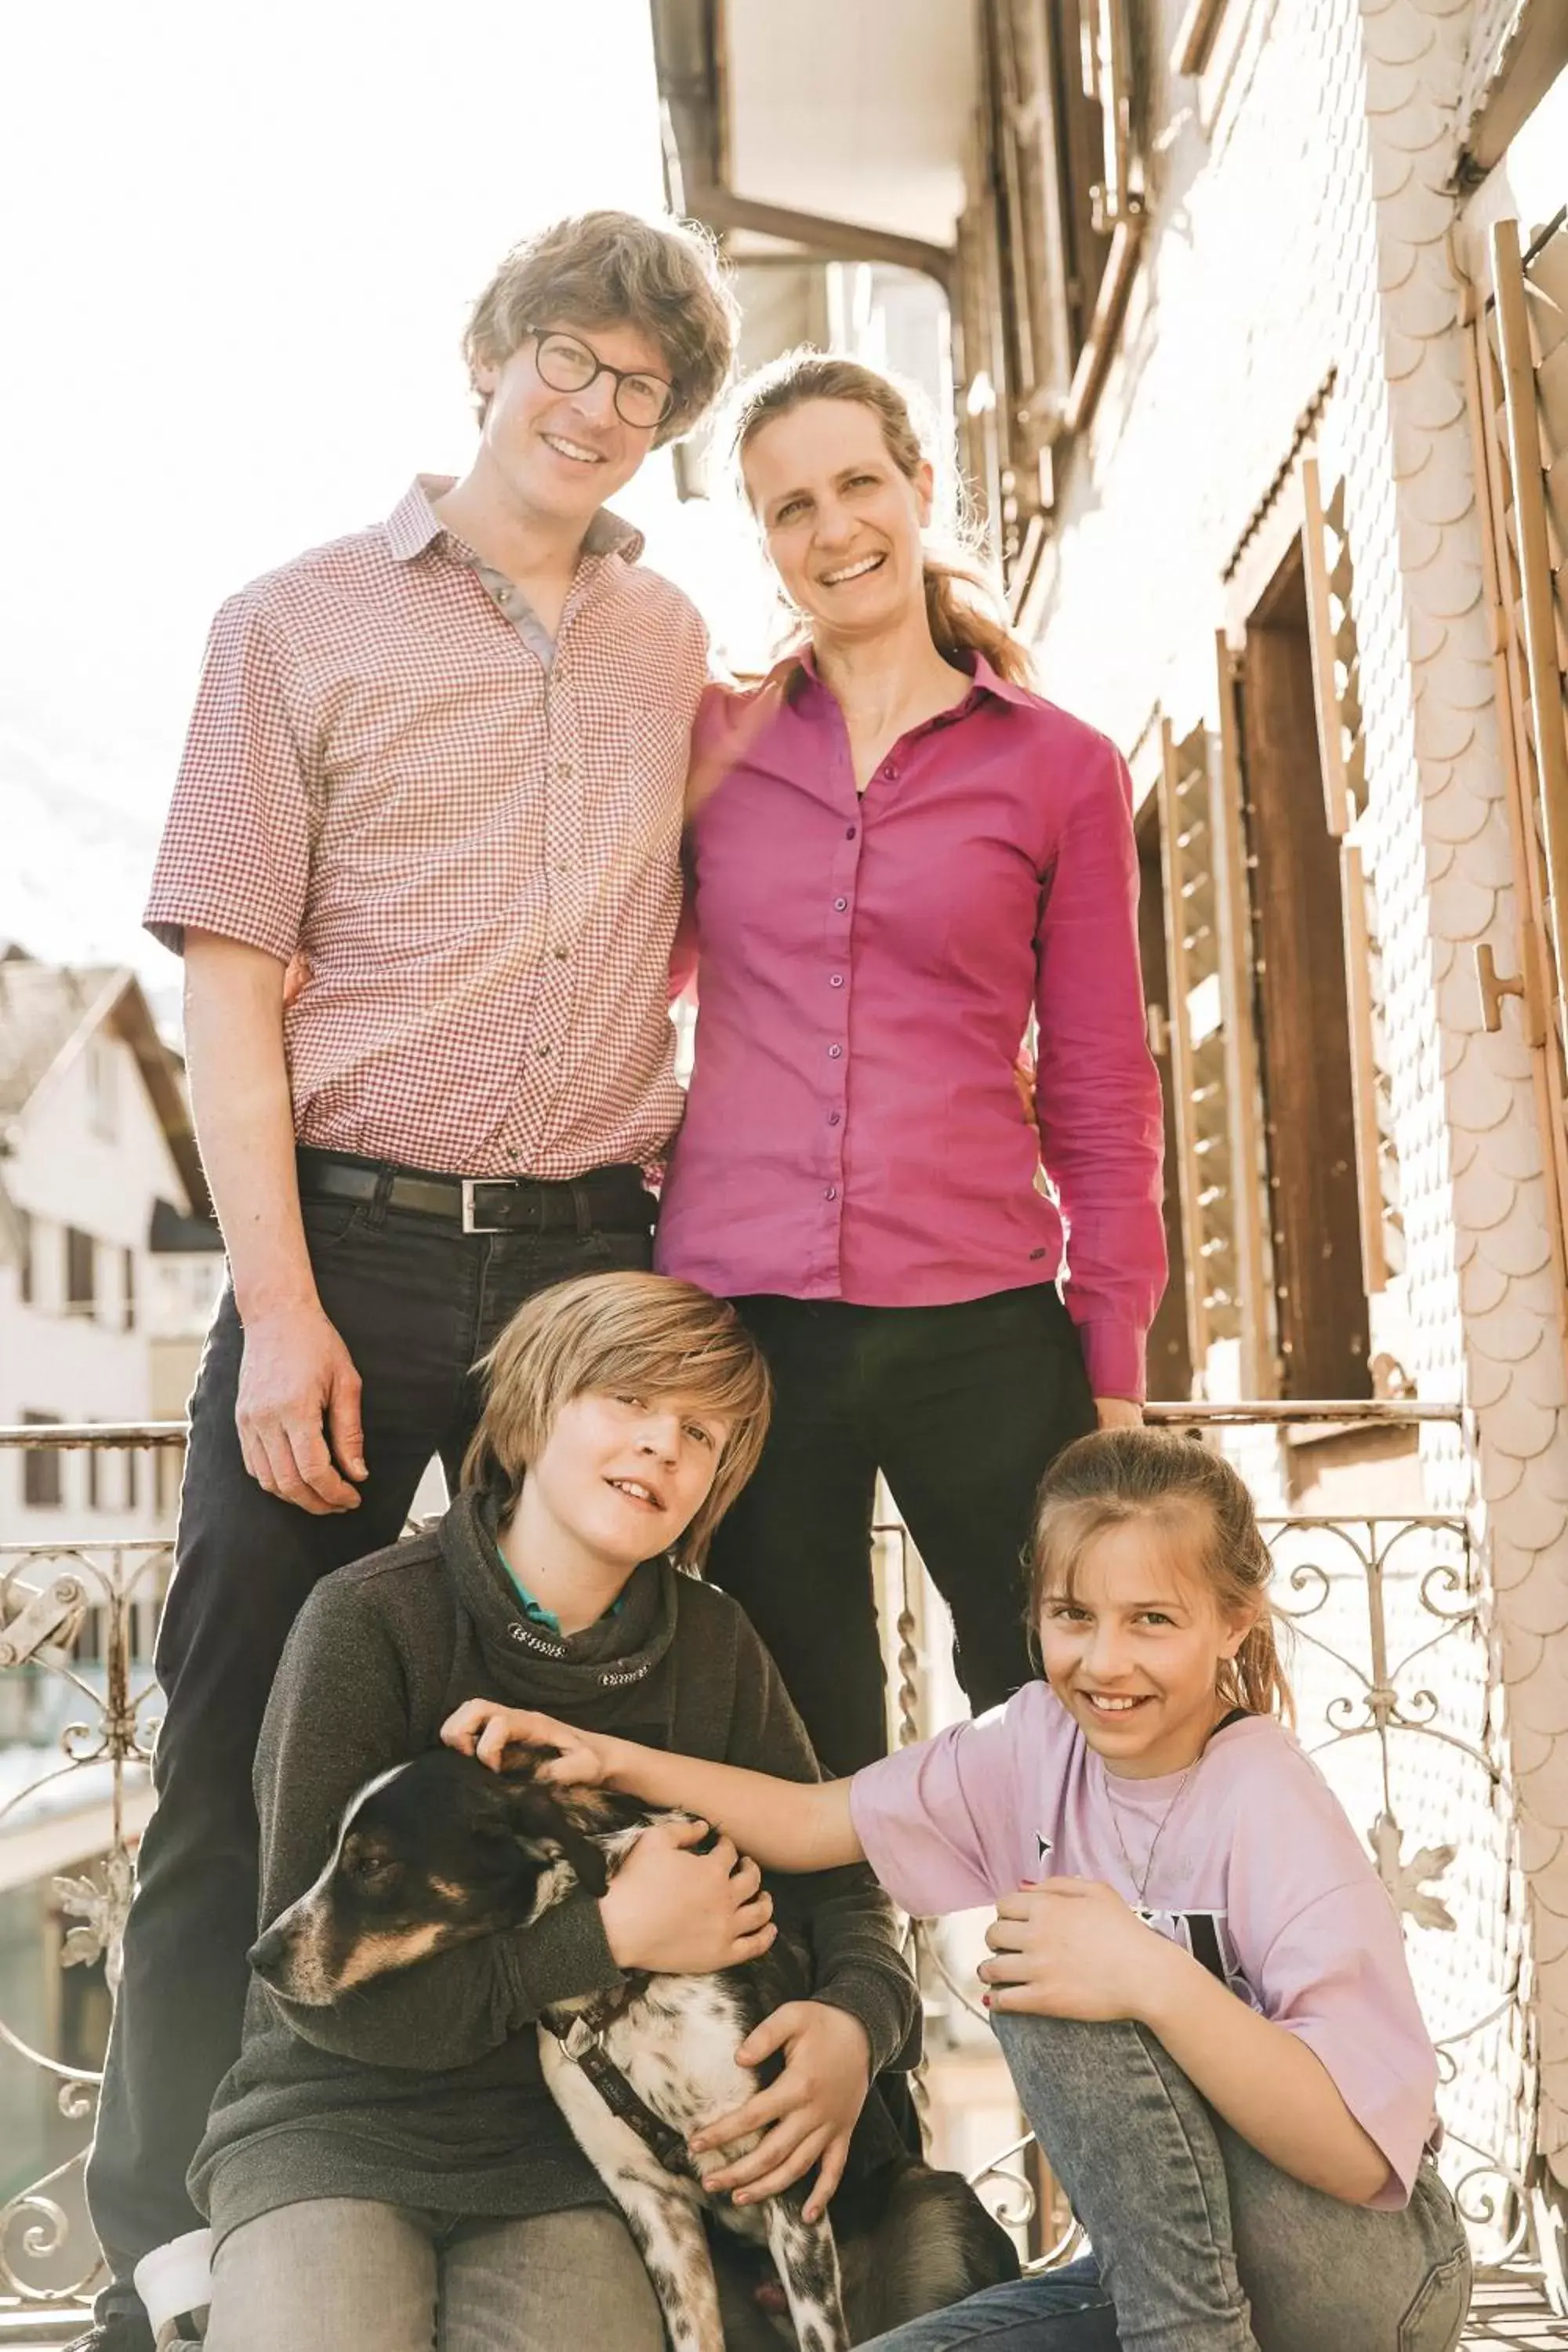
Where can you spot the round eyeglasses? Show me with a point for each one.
(567, 365)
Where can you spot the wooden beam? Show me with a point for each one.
(1195, 35)
(1551, 733)
(838, 240)
(1320, 628)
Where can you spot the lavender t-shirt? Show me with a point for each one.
(1258, 1874)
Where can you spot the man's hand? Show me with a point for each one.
(1072, 1948)
(806, 2115)
(485, 1728)
(685, 1914)
(1119, 1413)
(297, 1389)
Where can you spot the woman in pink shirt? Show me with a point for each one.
(898, 854)
(1197, 1979)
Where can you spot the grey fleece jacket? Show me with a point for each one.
(424, 2089)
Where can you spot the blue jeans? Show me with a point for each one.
(1202, 2244)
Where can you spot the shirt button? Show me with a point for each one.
(561, 954)
(503, 595)
(543, 1052)
(836, 980)
(833, 1116)
(563, 768)
(891, 774)
(834, 1053)
(831, 1193)
(850, 832)
(839, 905)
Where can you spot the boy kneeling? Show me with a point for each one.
(391, 2169)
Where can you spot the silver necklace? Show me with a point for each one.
(1141, 1886)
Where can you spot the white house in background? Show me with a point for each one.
(110, 1262)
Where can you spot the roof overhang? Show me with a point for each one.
(839, 131)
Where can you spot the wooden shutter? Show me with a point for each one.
(1213, 1059)
(1517, 365)
(1342, 744)
(1233, 913)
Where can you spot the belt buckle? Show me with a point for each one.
(470, 1224)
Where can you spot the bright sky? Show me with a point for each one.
(242, 244)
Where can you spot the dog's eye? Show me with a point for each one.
(370, 1869)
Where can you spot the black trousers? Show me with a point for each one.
(416, 1302)
(963, 1408)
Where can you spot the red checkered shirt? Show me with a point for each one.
(473, 850)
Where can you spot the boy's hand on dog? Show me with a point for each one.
(806, 2114)
(483, 1727)
(1071, 1947)
(684, 1913)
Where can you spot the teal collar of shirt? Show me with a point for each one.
(538, 1614)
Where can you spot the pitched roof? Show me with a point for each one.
(49, 1012)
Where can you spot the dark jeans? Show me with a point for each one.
(416, 1302)
(963, 1409)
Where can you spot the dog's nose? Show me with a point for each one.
(267, 1954)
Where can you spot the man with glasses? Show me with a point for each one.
(422, 864)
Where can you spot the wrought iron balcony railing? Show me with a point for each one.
(1396, 1699)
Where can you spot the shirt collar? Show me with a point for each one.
(413, 525)
(803, 664)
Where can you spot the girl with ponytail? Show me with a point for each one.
(1196, 1975)
(900, 856)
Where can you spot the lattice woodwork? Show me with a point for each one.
(1517, 384)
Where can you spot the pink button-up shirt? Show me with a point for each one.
(868, 964)
(469, 837)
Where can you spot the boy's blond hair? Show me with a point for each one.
(605, 269)
(601, 1332)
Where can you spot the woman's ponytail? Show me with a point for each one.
(964, 617)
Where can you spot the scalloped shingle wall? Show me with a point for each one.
(1306, 228)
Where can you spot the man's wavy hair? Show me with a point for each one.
(610, 1332)
(610, 269)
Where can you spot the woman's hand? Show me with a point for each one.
(483, 1727)
(1072, 1948)
(1119, 1413)
(682, 1913)
(806, 2115)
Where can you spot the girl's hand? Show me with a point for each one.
(806, 2115)
(483, 1727)
(1119, 1413)
(1072, 1948)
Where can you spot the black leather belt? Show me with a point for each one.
(610, 1200)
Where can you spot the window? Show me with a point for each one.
(1046, 249)
(26, 1241)
(128, 1290)
(42, 1485)
(80, 1272)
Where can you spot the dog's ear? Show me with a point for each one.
(541, 1816)
(586, 1858)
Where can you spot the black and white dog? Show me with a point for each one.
(440, 1851)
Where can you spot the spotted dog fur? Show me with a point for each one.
(440, 1851)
